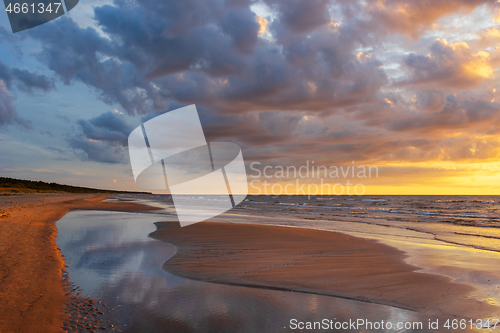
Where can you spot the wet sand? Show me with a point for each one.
(314, 261)
(32, 293)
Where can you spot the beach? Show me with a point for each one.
(31, 287)
(314, 261)
(242, 258)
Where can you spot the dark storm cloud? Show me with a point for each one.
(103, 138)
(26, 80)
(449, 65)
(241, 25)
(109, 126)
(293, 86)
(254, 129)
(209, 53)
(98, 151)
(456, 114)
(300, 16)
(171, 106)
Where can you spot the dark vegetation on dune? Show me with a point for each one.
(19, 185)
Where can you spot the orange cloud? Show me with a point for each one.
(412, 17)
(493, 32)
(479, 65)
(262, 24)
(449, 65)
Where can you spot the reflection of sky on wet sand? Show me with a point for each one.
(111, 257)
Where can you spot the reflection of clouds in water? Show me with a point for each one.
(112, 258)
(102, 246)
(133, 256)
(200, 305)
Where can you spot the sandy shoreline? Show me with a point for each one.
(314, 261)
(31, 265)
(320, 262)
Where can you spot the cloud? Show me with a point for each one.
(299, 16)
(109, 126)
(98, 151)
(6, 74)
(172, 106)
(26, 80)
(413, 17)
(430, 100)
(212, 55)
(8, 113)
(103, 138)
(455, 114)
(449, 64)
(300, 78)
(243, 27)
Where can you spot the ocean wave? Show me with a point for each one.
(476, 235)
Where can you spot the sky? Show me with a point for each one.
(410, 87)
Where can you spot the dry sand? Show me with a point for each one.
(31, 291)
(314, 261)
